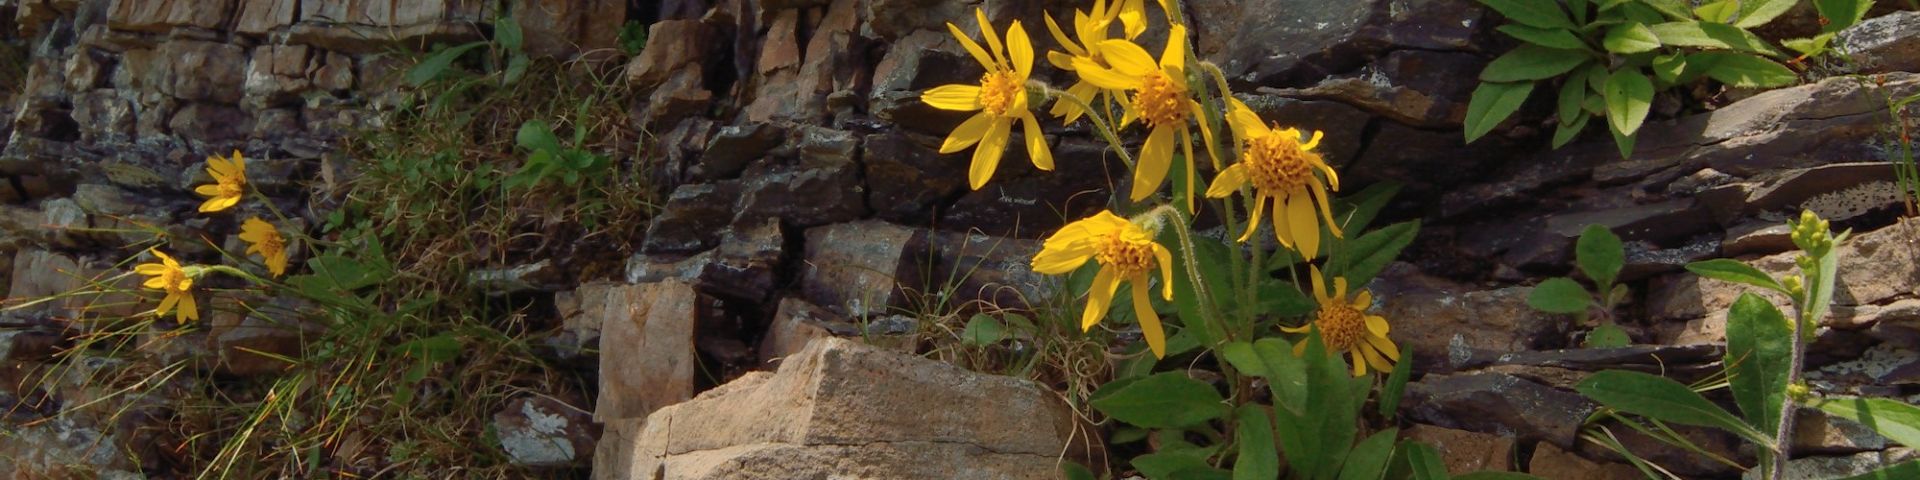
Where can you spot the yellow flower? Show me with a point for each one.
(1126, 253)
(1281, 170)
(1346, 327)
(1001, 98)
(170, 278)
(266, 241)
(1091, 29)
(230, 182)
(1160, 97)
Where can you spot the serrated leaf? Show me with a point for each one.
(1709, 35)
(1566, 132)
(1630, 37)
(1163, 400)
(1599, 254)
(1545, 37)
(1743, 70)
(1364, 257)
(1532, 62)
(1531, 12)
(1629, 96)
(1717, 12)
(1759, 353)
(1730, 270)
(1259, 458)
(1663, 399)
(1491, 104)
(1559, 295)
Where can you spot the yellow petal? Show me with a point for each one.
(1374, 360)
(993, 38)
(155, 283)
(149, 269)
(1020, 50)
(166, 305)
(1319, 285)
(1133, 18)
(979, 54)
(1253, 224)
(1149, 320)
(1061, 37)
(1282, 227)
(1363, 301)
(1187, 160)
(1359, 363)
(1037, 148)
(1339, 287)
(1314, 141)
(1206, 132)
(986, 157)
(1378, 325)
(1099, 298)
(1063, 260)
(1326, 212)
(956, 97)
(968, 133)
(1127, 58)
(1229, 181)
(188, 310)
(1100, 76)
(208, 190)
(1175, 56)
(239, 164)
(1060, 60)
(277, 263)
(1300, 349)
(1156, 156)
(1069, 111)
(1305, 233)
(1165, 258)
(1303, 328)
(165, 260)
(1385, 346)
(1243, 121)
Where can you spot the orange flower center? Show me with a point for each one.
(1276, 163)
(1000, 90)
(1160, 101)
(233, 187)
(1127, 257)
(271, 244)
(1341, 327)
(176, 281)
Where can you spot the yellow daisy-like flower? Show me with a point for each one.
(1160, 97)
(230, 182)
(1001, 98)
(1280, 168)
(1091, 29)
(170, 278)
(264, 239)
(1346, 327)
(1126, 253)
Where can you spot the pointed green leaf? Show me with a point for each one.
(1572, 92)
(1559, 295)
(1663, 399)
(1074, 471)
(1630, 37)
(1841, 14)
(1178, 465)
(1396, 387)
(1891, 418)
(1241, 355)
(1531, 12)
(1629, 95)
(1623, 140)
(1492, 475)
(1600, 254)
(1164, 400)
(1545, 37)
(1900, 471)
(1364, 257)
(1607, 336)
(1677, 9)
(1743, 70)
(1368, 460)
(1566, 132)
(1759, 343)
(1259, 458)
(437, 64)
(1709, 35)
(983, 330)
(1533, 62)
(1426, 463)
(1668, 67)
(1717, 12)
(1736, 271)
(1491, 104)
(1754, 13)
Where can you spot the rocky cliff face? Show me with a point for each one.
(804, 189)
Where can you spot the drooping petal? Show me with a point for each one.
(955, 97)
(1300, 217)
(1187, 160)
(1313, 141)
(1133, 18)
(1374, 360)
(1060, 60)
(277, 263)
(1378, 325)
(1339, 288)
(1206, 132)
(1149, 320)
(1333, 179)
(1102, 77)
(1228, 181)
(1282, 227)
(1061, 37)
(155, 283)
(1020, 49)
(992, 37)
(1156, 156)
(1253, 224)
(166, 304)
(1099, 297)
(986, 157)
(1319, 285)
(188, 309)
(1362, 300)
(1385, 346)
(1175, 56)
(1359, 363)
(216, 204)
(1303, 328)
(1243, 121)
(968, 133)
(1300, 349)
(1127, 58)
(209, 190)
(1165, 258)
(1037, 148)
(973, 49)
(1326, 212)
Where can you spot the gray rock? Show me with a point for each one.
(1448, 324)
(733, 147)
(646, 349)
(1498, 403)
(1303, 41)
(540, 431)
(692, 215)
(908, 177)
(860, 267)
(1883, 44)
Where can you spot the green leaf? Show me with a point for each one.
(1566, 132)
(1809, 46)
(1364, 257)
(983, 330)
(1600, 254)
(1904, 470)
(507, 31)
(1532, 62)
(1559, 295)
(440, 348)
(1841, 14)
(1623, 140)
(1572, 92)
(436, 64)
(516, 68)
(1356, 212)
(1709, 35)
(1332, 410)
(1491, 475)
(1717, 12)
(1743, 70)
(1759, 354)
(1607, 336)
(1663, 399)
(1259, 459)
(1736, 271)
(1164, 400)
(1177, 465)
(1668, 67)
(1828, 266)
(1630, 37)
(1890, 418)
(1368, 460)
(1545, 37)
(1396, 387)
(1491, 104)
(1677, 9)
(1425, 462)
(1211, 259)
(1242, 357)
(1282, 299)
(1531, 12)
(535, 135)
(1074, 471)
(1754, 13)
(1629, 95)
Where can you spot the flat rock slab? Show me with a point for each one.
(849, 410)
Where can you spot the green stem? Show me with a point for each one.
(1208, 309)
(1100, 125)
